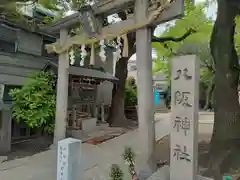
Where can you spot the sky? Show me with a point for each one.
(211, 13)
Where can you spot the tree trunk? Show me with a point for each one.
(117, 116)
(117, 113)
(209, 96)
(226, 131)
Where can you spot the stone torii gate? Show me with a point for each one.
(146, 14)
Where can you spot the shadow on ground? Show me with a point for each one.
(29, 147)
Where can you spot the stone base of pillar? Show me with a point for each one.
(3, 158)
(53, 147)
(145, 174)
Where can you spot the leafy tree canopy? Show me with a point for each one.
(197, 43)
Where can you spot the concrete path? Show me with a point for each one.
(96, 159)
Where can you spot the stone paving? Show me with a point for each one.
(96, 158)
(96, 161)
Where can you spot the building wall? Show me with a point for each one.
(15, 68)
(132, 69)
(158, 78)
(160, 81)
(20, 55)
(29, 43)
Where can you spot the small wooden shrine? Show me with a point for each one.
(84, 101)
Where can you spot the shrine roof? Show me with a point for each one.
(91, 73)
(96, 73)
(9, 23)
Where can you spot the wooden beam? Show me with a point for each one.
(108, 7)
(104, 7)
(176, 10)
(108, 32)
(171, 11)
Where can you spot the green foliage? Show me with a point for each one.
(48, 20)
(11, 12)
(116, 173)
(129, 157)
(130, 97)
(237, 35)
(164, 66)
(49, 4)
(196, 19)
(128, 154)
(131, 82)
(34, 104)
(197, 43)
(79, 3)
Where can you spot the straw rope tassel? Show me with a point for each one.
(92, 57)
(114, 63)
(125, 45)
(83, 54)
(71, 57)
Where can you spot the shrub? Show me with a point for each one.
(34, 104)
(129, 157)
(130, 92)
(116, 173)
(130, 97)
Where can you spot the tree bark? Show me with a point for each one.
(226, 131)
(117, 115)
(209, 96)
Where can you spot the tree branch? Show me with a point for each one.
(173, 39)
(236, 68)
(210, 68)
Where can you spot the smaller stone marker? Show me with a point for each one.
(69, 159)
(184, 127)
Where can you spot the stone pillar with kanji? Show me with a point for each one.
(184, 127)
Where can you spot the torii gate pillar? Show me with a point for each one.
(62, 92)
(145, 89)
